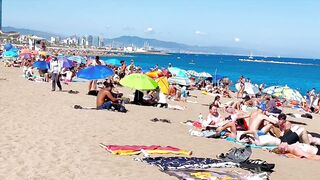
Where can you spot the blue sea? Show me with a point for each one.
(300, 74)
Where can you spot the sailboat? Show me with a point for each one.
(251, 56)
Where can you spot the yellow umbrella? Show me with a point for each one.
(163, 84)
(43, 53)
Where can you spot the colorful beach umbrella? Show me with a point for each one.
(78, 59)
(154, 74)
(163, 84)
(95, 72)
(139, 82)
(249, 88)
(288, 93)
(178, 72)
(65, 62)
(10, 54)
(180, 81)
(8, 46)
(205, 74)
(113, 61)
(42, 65)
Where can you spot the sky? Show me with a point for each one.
(279, 27)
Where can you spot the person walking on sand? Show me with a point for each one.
(242, 81)
(93, 83)
(55, 69)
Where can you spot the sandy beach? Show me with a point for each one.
(44, 137)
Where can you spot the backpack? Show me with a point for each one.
(236, 155)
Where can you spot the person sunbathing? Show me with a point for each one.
(256, 120)
(300, 149)
(294, 133)
(217, 122)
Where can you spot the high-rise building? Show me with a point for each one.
(89, 40)
(95, 41)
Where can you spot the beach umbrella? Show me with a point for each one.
(270, 90)
(178, 72)
(180, 81)
(10, 54)
(8, 46)
(113, 61)
(249, 88)
(288, 93)
(65, 62)
(14, 49)
(193, 73)
(205, 74)
(95, 72)
(78, 59)
(139, 82)
(42, 65)
(163, 84)
(154, 74)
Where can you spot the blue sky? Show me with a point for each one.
(279, 27)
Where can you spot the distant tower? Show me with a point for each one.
(0, 15)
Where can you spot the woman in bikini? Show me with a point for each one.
(242, 81)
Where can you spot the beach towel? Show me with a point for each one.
(214, 175)
(174, 163)
(250, 145)
(135, 150)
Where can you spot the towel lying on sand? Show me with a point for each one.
(173, 163)
(135, 150)
(225, 175)
(251, 145)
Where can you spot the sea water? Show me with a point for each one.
(300, 74)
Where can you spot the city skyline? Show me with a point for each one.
(283, 28)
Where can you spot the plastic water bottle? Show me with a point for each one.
(200, 118)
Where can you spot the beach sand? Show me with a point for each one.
(44, 137)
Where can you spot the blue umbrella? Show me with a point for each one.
(41, 65)
(14, 49)
(65, 62)
(78, 59)
(8, 46)
(178, 72)
(95, 72)
(113, 61)
(10, 54)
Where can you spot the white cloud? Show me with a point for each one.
(200, 33)
(237, 39)
(149, 30)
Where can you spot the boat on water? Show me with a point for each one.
(251, 56)
(192, 62)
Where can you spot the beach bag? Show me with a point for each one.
(236, 155)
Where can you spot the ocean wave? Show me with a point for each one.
(278, 62)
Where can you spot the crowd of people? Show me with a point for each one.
(257, 119)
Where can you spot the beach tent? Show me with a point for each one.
(178, 72)
(249, 88)
(95, 72)
(139, 82)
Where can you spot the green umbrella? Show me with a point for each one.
(139, 82)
